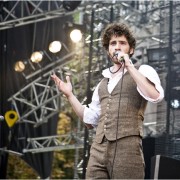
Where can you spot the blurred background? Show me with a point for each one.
(40, 136)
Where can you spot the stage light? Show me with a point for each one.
(175, 104)
(37, 56)
(19, 66)
(55, 46)
(76, 35)
(71, 5)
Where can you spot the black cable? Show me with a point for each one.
(115, 71)
(109, 64)
(119, 105)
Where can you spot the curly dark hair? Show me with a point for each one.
(117, 29)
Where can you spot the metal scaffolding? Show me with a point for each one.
(20, 13)
(146, 20)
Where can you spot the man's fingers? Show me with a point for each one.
(56, 79)
(53, 76)
(68, 79)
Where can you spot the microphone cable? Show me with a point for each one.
(109, 64)
(119, 106)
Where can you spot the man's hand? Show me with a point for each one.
(124, 58)
(64, 87)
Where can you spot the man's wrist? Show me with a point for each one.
(69, 96)
(130, 65)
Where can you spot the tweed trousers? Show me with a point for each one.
(128, 162)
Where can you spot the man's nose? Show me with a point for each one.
(118, 46)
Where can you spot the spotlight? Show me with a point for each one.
(55, 46)
(175, 104)
(19, 66)
(71, 5)
(76, 35)
(37, 56)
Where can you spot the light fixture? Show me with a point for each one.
(19, 66)
(36, 56)
(76, 35)
(71, 5)
(175, 104)
(55, 46)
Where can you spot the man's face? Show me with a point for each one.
(119, 43)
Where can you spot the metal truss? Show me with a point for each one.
(39, 100)
(19, 13)
(54, 143)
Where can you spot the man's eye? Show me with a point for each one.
(113, 43)
(123, 42)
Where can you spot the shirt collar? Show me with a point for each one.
(107, 74)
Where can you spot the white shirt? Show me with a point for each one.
(92, 114)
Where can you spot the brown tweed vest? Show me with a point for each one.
(131, 111)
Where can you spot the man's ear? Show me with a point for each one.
(108, 53)
(131, 51)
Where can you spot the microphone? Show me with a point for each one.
(121, 60)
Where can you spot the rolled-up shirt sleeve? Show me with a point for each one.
(152, 76)
(92, 113)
